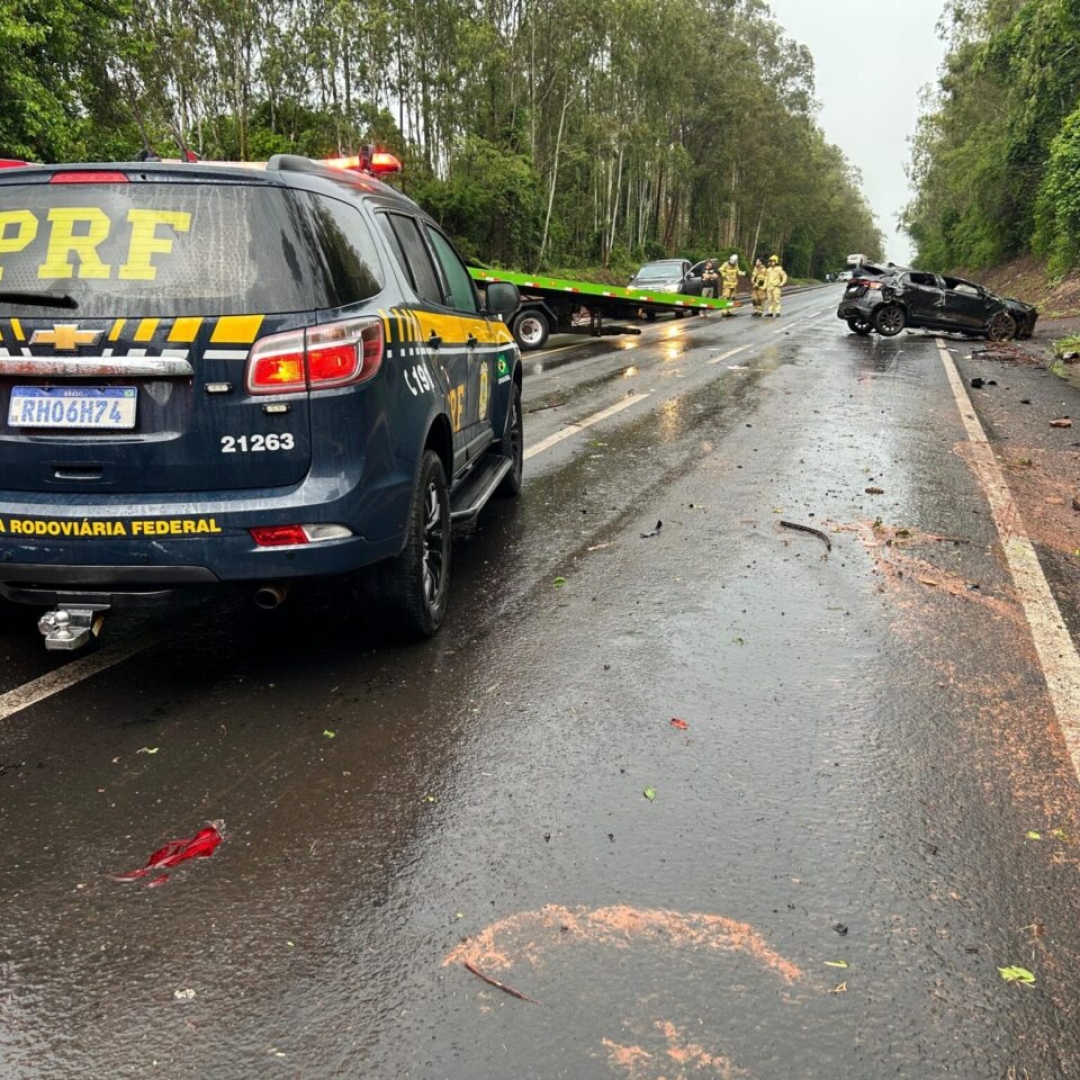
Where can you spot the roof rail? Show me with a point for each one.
(294, 163)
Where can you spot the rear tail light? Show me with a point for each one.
(319, 358)
(278, 535)
(867, 284)
(289, 535)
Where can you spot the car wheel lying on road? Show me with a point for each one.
(889, 320)
(1002, 327)
(859, 326)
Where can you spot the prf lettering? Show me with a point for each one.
(456, 401)
(71, 231)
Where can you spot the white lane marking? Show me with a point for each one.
(55, 681)
(1053, 642)
(799, 319)
(728, 355)
(581, 425)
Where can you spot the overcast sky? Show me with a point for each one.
(870, 63)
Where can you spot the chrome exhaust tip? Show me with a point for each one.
(271, 595)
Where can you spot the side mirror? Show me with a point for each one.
(502, 298)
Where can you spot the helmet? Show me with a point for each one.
(774, 258)
(733, 259)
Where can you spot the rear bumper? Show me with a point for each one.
(115, 543)
(857, 308)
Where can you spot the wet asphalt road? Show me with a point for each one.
(868, 742)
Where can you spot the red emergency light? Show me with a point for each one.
(369, 160)
(11, 163)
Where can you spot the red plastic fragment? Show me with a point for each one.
(682, 725)
(200, 846)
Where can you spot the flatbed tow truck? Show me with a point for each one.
(561, 306)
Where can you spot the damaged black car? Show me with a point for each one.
(888, 299)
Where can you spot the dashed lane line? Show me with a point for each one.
(1053, 642)
(728, 355)
(572, 429)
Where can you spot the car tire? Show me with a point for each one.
(889, 320)
(513, 447)
(414, 587)
(861, 327)
(531, 330)
(1002, 327)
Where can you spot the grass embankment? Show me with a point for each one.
(1027, 280)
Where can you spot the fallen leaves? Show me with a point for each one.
(649, 793)
(1017, 975)
(682, 725)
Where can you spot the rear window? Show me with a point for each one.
(162, 249)
(661, 270)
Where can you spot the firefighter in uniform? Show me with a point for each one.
(775, 280)
(729, 277)
(757, 287)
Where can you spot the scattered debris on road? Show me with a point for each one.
(1017, 975)
(808, 529)
(655, 532)
(498, 985)
(200, 846)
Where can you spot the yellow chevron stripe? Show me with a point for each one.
(147, 329)
(117, 330)
(185, 329)
(236, 329)
(17, 330)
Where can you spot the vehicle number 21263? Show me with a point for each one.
(255, 444)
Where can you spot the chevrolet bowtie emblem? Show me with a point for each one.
(65, 337)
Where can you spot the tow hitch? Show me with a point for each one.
(72, 626)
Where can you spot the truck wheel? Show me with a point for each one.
(415, 586)
(513, 447)
(530, 330)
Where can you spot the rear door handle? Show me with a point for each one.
(471, 341)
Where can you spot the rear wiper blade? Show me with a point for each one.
(39, 299)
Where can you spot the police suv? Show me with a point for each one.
(217, 373)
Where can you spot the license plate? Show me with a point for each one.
(109, 408)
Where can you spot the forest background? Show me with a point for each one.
(542, 134)
(995, 164)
